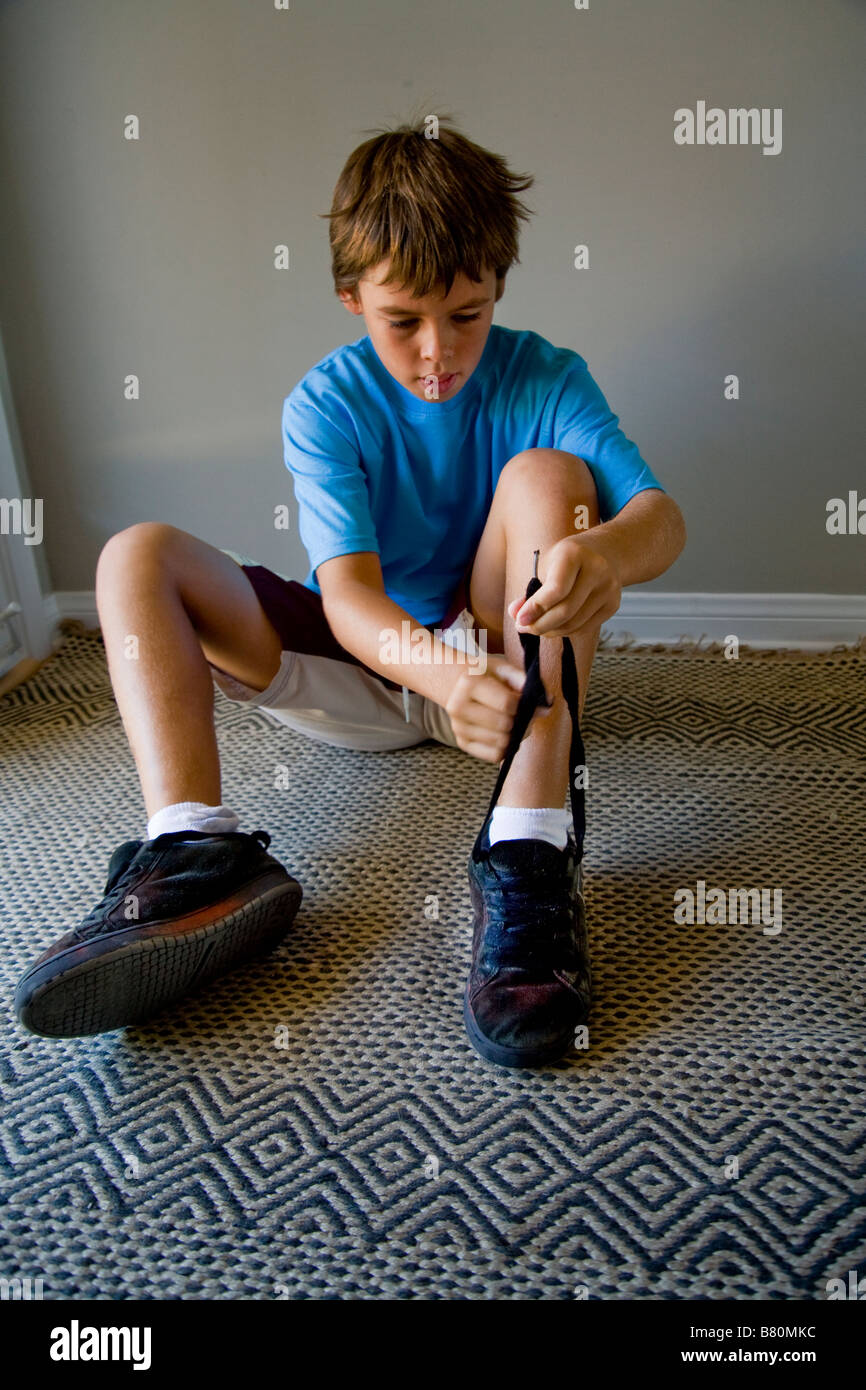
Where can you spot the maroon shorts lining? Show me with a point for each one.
(297, 613)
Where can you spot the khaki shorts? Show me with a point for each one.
(324, 691)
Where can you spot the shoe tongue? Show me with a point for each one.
(120, 860)
(525, 854)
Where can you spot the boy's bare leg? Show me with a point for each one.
(186, 604)
(533, 507)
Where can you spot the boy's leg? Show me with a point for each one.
(185, 603)
(533, 508)
(186, 906)
(530, 982)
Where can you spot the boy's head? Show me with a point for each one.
(424, 228)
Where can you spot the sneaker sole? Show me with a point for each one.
(143, 976)
(512, 1056)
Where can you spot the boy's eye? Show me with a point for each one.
(458, 318)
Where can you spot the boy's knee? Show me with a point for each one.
(556, 471)
(142, 539)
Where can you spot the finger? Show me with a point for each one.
(493, 705)
(565, 614)
(479, 750)
(533, 608)
(492, 748)
(498, 695)
(594, 620)
(486, 717)
(562, 569)
(482, 721)
(511, 675)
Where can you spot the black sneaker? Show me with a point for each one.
(529, 986)
(178, 911)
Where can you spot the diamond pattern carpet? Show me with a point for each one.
(317, 1126)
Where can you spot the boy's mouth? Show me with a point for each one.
(444, 382)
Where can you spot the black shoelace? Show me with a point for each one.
(533, 695)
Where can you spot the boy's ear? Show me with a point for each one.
(500, 290)
(351, 301)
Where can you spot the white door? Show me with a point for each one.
(11, 646)
(24, 629)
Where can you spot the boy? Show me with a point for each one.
(437, 462)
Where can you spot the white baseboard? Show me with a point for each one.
(806, 622)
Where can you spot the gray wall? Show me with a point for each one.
(155, 257)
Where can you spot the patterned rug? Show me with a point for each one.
(317, 1126)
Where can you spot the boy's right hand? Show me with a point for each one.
(482, 708)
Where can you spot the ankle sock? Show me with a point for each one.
(192, 815)
(548, 823)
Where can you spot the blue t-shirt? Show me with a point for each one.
(377, 468)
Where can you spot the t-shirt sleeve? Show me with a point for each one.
(330, 485)
(585, 425)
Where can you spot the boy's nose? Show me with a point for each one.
(437, 352)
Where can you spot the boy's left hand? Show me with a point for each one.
(580, 590)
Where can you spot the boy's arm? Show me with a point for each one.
(359, 612)
(587, 571)
(643, 539)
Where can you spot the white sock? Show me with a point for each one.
(548, 823)
(192, 815)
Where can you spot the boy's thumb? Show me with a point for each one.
(512, 675)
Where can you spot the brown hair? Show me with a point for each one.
(436, 206)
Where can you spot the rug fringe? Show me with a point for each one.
(703, 646)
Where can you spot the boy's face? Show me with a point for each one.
(431, 345)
